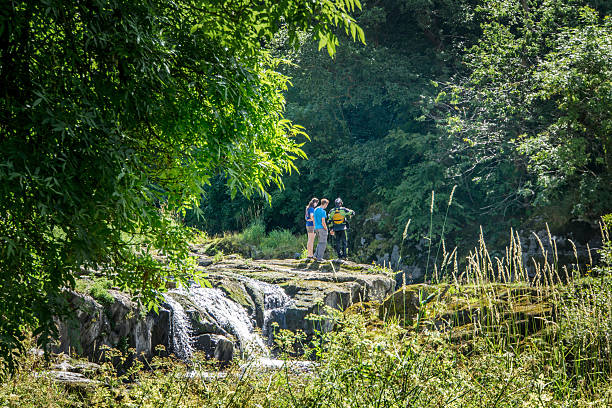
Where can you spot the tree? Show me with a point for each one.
(536, 108)
(113, 116)
(362, 110)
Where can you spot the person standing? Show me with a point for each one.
(338, 221)
(320, 227)
(309, 216)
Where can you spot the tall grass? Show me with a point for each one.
(275, 244)
(500, 332)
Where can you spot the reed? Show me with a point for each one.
(498, 332)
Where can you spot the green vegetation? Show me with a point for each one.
(254, 242)
(97, 288)
(508, 100)
(471, 343)
(114, 115)
(124, 122)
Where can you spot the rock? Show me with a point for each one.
(70, 379)
(203, 323)
(312, 286)
(85, 368)
(402, 304)
(118, 324)
(215, 346)
(160, 335)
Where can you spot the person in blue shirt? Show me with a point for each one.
(309, 216)
(321, 229)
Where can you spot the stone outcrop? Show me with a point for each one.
(312, 287)
(265, 294)
(523, 309)
(118, 323)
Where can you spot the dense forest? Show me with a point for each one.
(156, 158)
(509, 101)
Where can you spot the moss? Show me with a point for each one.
(236, 291)
(368, 309)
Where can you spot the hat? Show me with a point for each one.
(338, 202)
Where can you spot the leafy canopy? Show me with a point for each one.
(113, 116)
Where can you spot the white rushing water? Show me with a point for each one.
(276, 302)
(229, 315)
(180, 329)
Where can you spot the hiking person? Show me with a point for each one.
(309, 216)
(320, 227)
(338, 221)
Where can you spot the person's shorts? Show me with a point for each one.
(310, 229)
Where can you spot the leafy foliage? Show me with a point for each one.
(538, 100)
(113, 115)
(506, 100)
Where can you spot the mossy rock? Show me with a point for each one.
(363, 308)
(236, 291)
(402, 304)
(462, 333)
(203, 323)
(505, 308)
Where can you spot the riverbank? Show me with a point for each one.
(451, 345)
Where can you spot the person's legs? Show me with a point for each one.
(322, 244)
(337, 243)
(310, 243)
(341, 243)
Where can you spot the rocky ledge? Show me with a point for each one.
(312, 286)
(247, 298)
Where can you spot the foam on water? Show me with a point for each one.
(180, 328)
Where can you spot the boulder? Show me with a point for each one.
(119, 323)
(403, 304)
(215, 346)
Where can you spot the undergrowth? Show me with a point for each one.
(496, 334)
(254, 242)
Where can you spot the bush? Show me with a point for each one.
(254, 234)
(281, 244)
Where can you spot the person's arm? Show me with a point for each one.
(323, 222)
(311, 216)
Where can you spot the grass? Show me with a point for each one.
(489, 335)
(97, 288)
(254, 242)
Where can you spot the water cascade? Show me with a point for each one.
(228, 315)
(276, 302)
(180, 329)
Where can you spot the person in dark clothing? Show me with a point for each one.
(338, 222)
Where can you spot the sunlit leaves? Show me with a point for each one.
(114, 116)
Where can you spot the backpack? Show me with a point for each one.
(338, 218)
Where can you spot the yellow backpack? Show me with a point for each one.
(338, 218)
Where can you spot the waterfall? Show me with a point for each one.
(276, 302)
(180, 328)
(230, 316)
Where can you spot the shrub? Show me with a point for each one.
(254, 234)
(281, 244)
